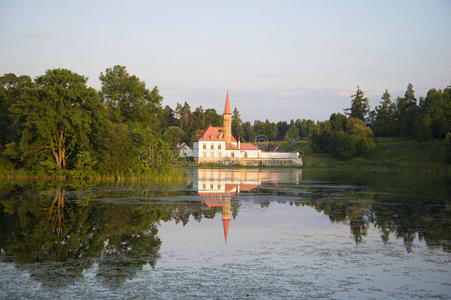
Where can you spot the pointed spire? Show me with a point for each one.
(225, 224)
(227, 105)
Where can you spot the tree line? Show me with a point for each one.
(351, 134)
(183, 124)
(56, 123)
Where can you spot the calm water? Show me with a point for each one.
(230, 234)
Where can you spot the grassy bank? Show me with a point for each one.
(169, 174)
(391, 154)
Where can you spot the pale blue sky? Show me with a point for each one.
(280, 59)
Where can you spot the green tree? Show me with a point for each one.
(129, 99)
(248, 132)
(406, 113)
(11, 86)
(212, 118)
(359, 106)
(292, 132)
(384, 118)
(237, 130)
(55, 118)
(361, 136)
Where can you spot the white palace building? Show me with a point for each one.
(217, 145)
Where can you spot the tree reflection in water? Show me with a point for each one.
(114, 230)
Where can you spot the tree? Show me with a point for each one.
(383, 121)
(55, 117)
(361, 136)
(248, 132)
(359, 106)
(11, 86)
(128, 98)
(173, 135)
(169, 117)
(436, 111)
(282, 128)
(212, 118)
(406, 113)
(345, 138)
(237, 130)
(292, 132)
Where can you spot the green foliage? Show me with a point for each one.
(237, 130)
(128, 98)
(59, 126)
(345, 138)
(359, 106)
(387, 154)
(383, 122)
(54, 118)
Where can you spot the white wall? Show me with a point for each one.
(214, 153)
(274, 155)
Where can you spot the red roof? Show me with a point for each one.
(212, 134)
(243, 146)
(248, 146)
(230, 146)
(227, 105)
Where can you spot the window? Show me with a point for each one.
(245, 154)
(212, 146)
(205, 146)
(211, 186)
(204, 186)
(212, 154)
(233, 154)
(219, 154)
(205, 154)
(219, 146)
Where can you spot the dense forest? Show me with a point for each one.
(57, 125)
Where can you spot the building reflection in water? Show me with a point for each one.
(217, 187)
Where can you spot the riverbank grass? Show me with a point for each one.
(389, 154)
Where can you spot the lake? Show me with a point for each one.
(230, 233)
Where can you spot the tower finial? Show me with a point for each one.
(227, 110)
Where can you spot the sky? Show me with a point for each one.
(281, 59)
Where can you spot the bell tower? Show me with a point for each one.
(227, 120)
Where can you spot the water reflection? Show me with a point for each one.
(217, 187)
(56, 232)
